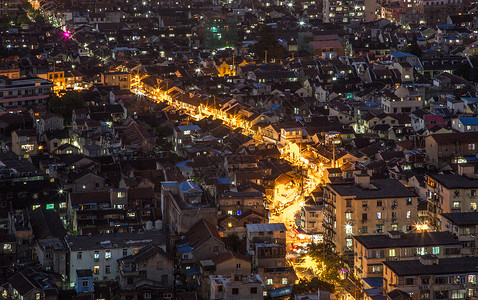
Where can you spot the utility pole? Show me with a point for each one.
(333, 154)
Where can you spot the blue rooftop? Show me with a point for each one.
(402, 54)
(189, 127)
(469, 121)
(371, 103)
(192, 271)
(186, 186)
(275, 106)
(281, 292)
(374, 282)
(222, 180)
(445, 26)
(185, 249)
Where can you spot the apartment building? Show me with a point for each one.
(451, 193)
(120, 79)
(463, 225)
(343, 11)
(432, 278)
(442, 149)
(23, 92)
(367, 206)
(99, 253)
(371, 250)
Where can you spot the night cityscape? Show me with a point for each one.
(238, 149)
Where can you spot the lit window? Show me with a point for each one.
(348, 216)
(284, 280)
(96, 270)
(50, 206)
(409, 214)
(7, 247)
(229, 212)
(108, 254)
(270, 281)
(456, 204)
(97, 254)
(391, 252)
(421, 251)
(62, 205)
(472, 279)
(379, 216)
(348, 229)
(436, 250)
(348, 243)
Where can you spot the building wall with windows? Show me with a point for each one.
(23, 92)
(367, 207)
(372, 250)
(433, 278)
(100, 253)
(452, 193)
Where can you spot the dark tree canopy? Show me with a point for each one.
(268, 42)
(413, 49)
(468, 72)
(65, 104)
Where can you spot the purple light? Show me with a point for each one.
(66, 34)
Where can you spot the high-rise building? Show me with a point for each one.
(9, 8)
(343, 11)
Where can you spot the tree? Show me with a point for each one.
(333, 263)
(413, 49)
(305, 286)
(468, 72)
(268, 42)
(66, 104)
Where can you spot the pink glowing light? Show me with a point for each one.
(66, 34)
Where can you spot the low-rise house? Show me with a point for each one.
(32, 284)
(25, 142)
(151, 264)
(184, 204)
(46, 122)
(236, 287)
(442, 149)
(52, 255)
(267, 232)
(465, 124)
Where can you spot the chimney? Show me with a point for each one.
(467, 170)
(395, 235)
(429, 260)
(362, 179)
